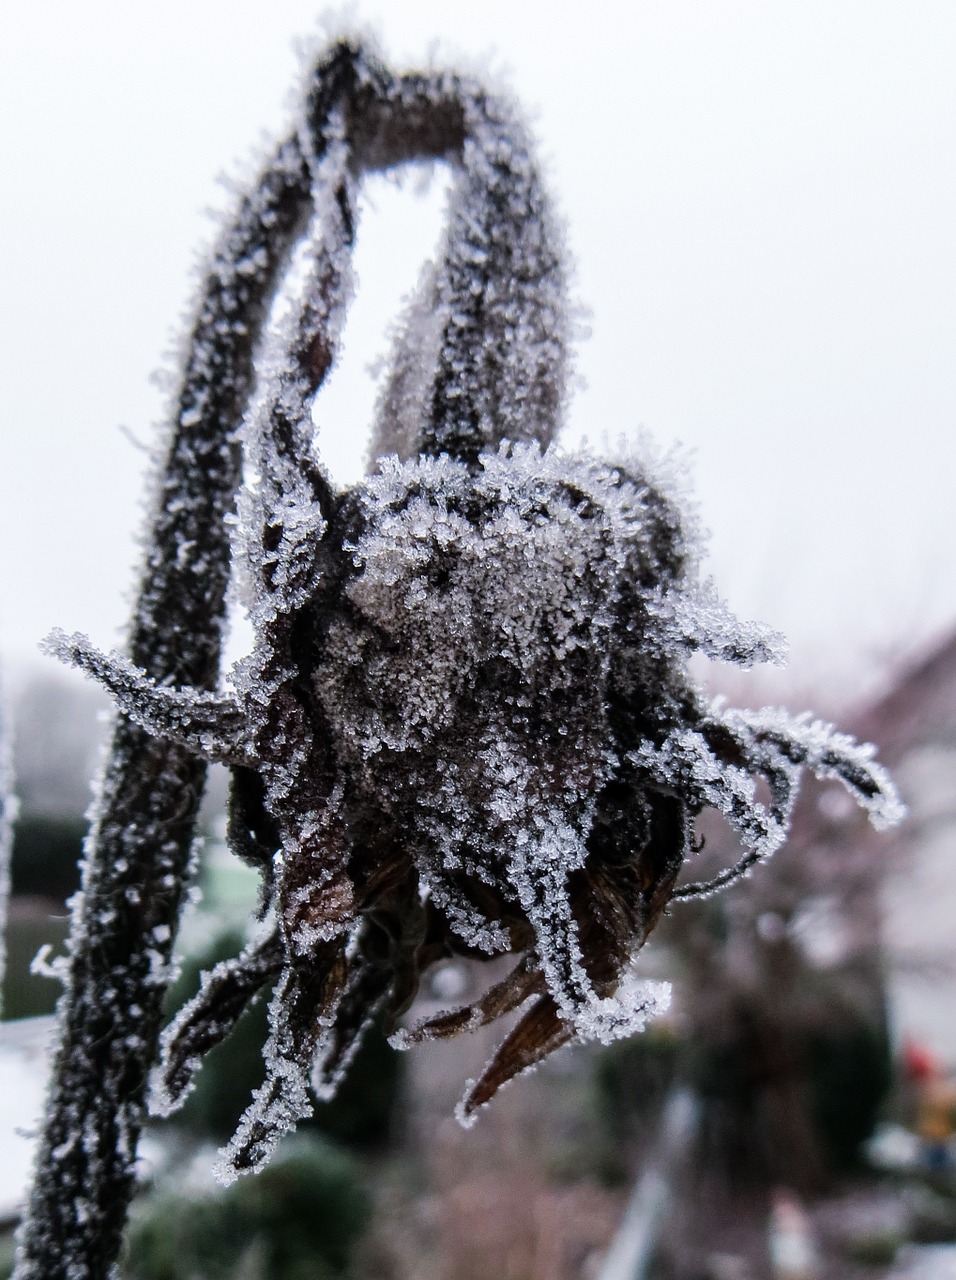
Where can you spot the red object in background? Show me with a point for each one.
(919, 1063)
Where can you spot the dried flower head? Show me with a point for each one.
(466, 727)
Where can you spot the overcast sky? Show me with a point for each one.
(761, 199)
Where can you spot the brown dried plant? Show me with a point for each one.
(466, 726)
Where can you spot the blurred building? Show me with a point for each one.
(915, 726)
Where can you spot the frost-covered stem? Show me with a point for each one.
(497, 371)
(138, 852)
(482, 353)
(502, 362)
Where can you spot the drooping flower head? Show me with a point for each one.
(466, 727)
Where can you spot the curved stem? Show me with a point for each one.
(138, 853)
(501, 289)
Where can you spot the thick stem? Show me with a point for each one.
(138, 853)
(501, 290)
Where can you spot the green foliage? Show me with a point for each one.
(633, 1078)
(28, 995)
(850, 1071)
(362, 1113)
(630, 1085)
(299, 1219)
(6, 1256)
(45, 864)
(46, 855)
(791, 1093)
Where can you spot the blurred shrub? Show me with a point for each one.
(28, 995)
(45, 864)
(784, 1093)
(301, 1218)
(791, 1088)
(633, 1077)
(850, 1071)
(6, 1256)
(631, 1081)
(46, 855)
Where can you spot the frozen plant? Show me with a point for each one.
(466, 727)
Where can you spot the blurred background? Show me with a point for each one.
(760, 202)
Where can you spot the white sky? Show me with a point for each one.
(761, 198)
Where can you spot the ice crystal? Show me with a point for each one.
(466, 726)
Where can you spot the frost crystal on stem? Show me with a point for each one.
(466, 726)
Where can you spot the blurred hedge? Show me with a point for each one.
(46, 855)
(301, 1218)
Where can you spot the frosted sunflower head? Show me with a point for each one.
(466, 726)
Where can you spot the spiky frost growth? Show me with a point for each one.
(466, 725)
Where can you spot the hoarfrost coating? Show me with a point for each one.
(466, 726)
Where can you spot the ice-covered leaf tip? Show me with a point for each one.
(466, 727)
